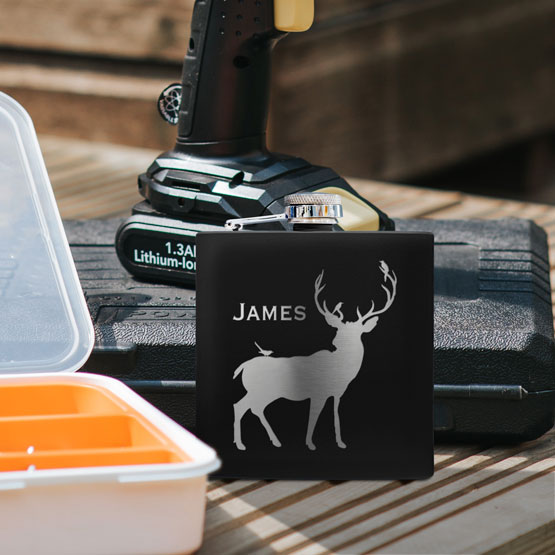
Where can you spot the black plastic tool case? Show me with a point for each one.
(494, 348)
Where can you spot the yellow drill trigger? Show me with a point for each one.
(293, 15)
(357, 215)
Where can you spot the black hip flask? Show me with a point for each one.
(301, 340)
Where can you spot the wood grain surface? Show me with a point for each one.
(156, 29)
(482, 499)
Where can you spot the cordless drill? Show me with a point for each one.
(220, 167)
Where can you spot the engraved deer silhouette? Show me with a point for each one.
(318, 376)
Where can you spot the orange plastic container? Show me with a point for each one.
(89, 467)
(70, 425)
(86, 465)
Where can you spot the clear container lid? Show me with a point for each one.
(44, 321)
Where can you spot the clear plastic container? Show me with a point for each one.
(86, 465)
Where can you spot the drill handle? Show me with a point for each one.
(226, 74)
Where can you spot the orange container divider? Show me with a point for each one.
(87, 458)
(79, 421)
(47, 433)
(62, 398)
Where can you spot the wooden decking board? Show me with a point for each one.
(244, 512)
(289, 521)
(407, 502)
(475, 492)
(106, 154)
(70, 160)
(339, 501)
(71, 199)
(403, 202)
(537, 542)
(91, 197)
(78, 175)
(373, 540)
(460, 543)
(92, 178)
(414, 206)
(548, 222)
(470, 208)
(214, 484)
(80, 202)
(536, 212)
(472, 483)
(310, 512)
(227, 493)
(117, 200)
(343, 491)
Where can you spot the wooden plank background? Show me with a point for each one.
(482, 498)
(151, 29)
(387, 89)
(414, 86)
(126, 28)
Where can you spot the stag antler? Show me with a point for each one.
(334, 318)
(388, 275)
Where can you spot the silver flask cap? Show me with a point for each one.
(300, 208)
(313, 208)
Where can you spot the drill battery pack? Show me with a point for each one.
(494, 350)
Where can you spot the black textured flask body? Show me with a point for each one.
(315, 353)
